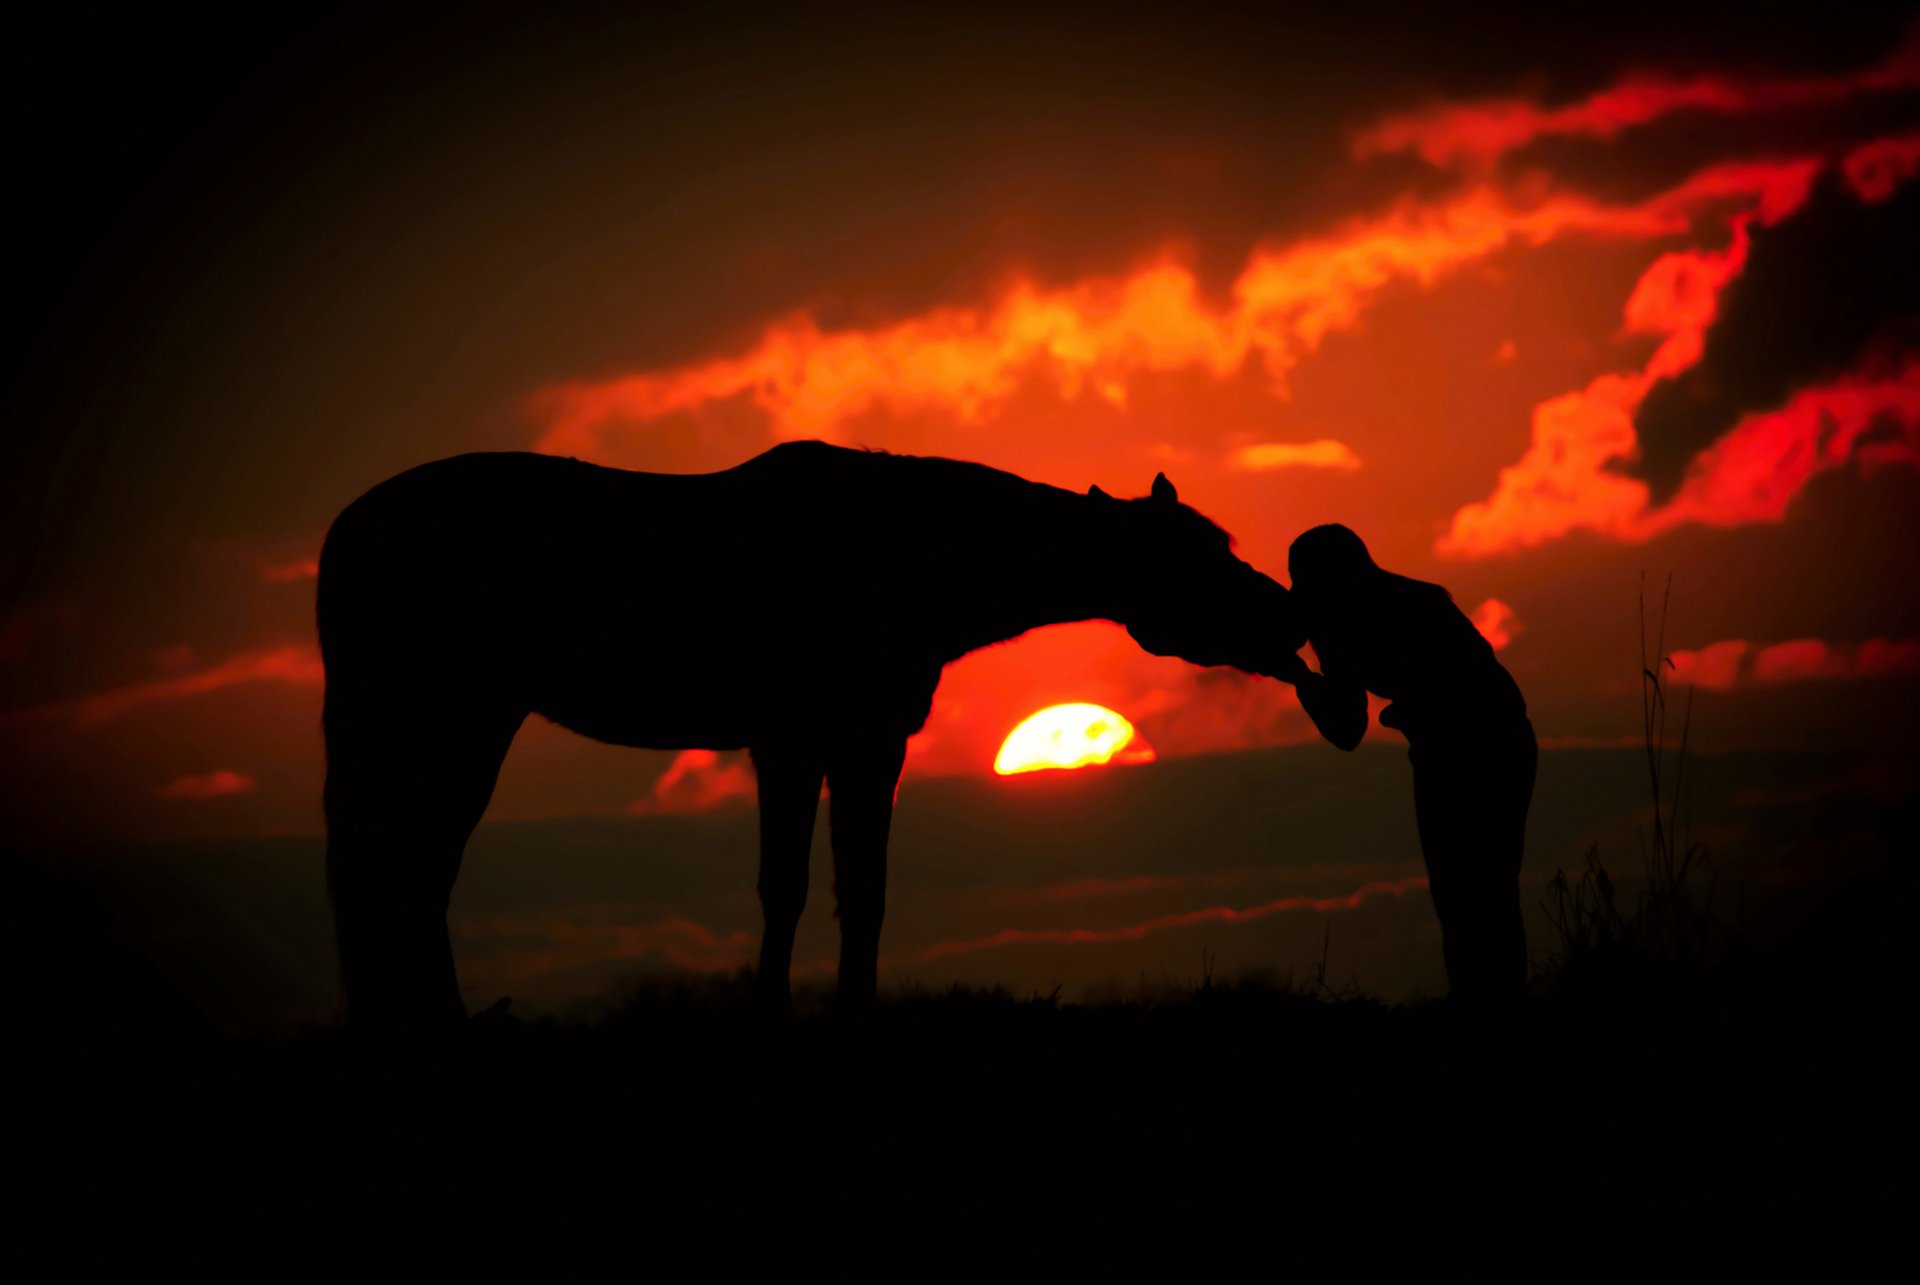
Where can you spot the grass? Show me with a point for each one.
(1670, 932)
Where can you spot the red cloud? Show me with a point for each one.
(697, 781)
(1718, 667)
(1753, 473)
(294, 664)
(1715, 667)
(1185, 919)
(526, 948)
(290, 572)
(1875, 169)
(213, 785)
(1496, 622)
(1750, 475)
(1476, 135)
(1568, 478)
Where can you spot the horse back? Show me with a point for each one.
(642, 608)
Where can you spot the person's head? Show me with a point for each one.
(1329, 563)
(1186, 592)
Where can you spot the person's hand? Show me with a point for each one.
(1293, 669)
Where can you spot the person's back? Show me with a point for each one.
(1409, 643)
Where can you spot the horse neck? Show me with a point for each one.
(1049, 560)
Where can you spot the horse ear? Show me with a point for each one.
(1163, 490)
(1097, 493)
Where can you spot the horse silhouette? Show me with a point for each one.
(800, 605)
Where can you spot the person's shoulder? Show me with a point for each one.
(1423, 595)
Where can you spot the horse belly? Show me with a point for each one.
(657, 702)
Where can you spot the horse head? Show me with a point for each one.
(1185, 593)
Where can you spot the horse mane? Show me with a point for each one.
(932, 466)
(1187, 513)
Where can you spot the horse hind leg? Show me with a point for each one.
(407, 783)
(789, 785)
(862, 780)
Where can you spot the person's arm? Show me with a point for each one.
(1337, 705)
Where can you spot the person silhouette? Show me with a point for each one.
(1469, 739)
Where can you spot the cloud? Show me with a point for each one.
(1476, 135)
(1324, 453)
(1715, 667)
(1755, 471)
(1737, 664)
(291, 572)
(1087, 339)
(518, 948)
(1815, 295)
(212, 785)
(1496, 622)
(1575, 474)
(699, 781)
(1875, 169)
(1185, 919)
(294, 664)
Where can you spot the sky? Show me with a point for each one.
(1541, 305)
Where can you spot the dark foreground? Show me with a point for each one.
(945, 1124)
(692, 1061)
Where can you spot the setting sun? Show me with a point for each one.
(1067, 736)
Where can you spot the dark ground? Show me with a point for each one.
(1668, 1045)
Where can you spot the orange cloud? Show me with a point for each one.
(1089, 338)
(1496, 622)
(1185, 919)
(1473, 136)
(1566, 479)
(1323, 453)
(1718, 666)
(698, 781)
(212, 785)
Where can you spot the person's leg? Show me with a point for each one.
(1471, 803)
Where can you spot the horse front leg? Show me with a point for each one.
(861, 780)
(789, 781)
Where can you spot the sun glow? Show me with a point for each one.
(1068, 736)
